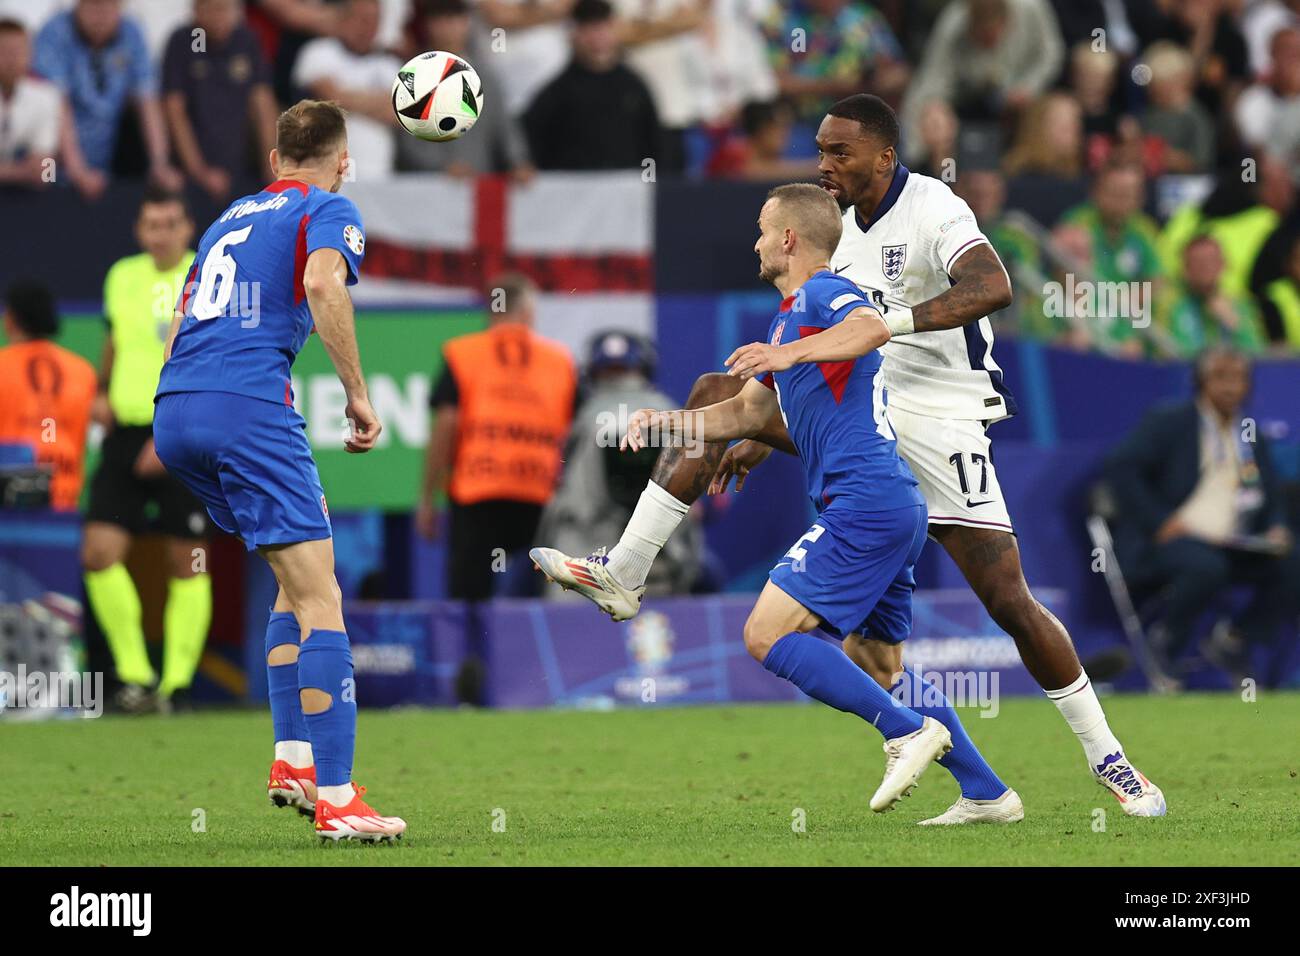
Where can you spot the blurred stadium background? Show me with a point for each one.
(1147, 145)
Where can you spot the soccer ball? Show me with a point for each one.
(437, 96)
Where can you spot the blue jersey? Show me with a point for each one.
(835, 411)
(245, 310)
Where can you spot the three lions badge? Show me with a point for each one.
(892, 259)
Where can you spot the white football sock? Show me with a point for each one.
(296, 753)
(656, 516)
(1078, 704)
(339, 796)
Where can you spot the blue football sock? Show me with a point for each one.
(823, 671)
(325, 664)
(282, 680)
(964, 761)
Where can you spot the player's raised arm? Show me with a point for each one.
(861, 331)
(741, 416)
(325, 282)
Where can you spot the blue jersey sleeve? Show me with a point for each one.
(336, 224)
(837, 297)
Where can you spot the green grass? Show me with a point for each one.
(707, 785)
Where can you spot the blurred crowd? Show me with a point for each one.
(1145, 143)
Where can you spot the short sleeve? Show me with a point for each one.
(841, 299)
(336, 224)
(173, 61)
(315, 62)
(445, 390)
(951, 226)
(50, 59)
(143, 80)
(45, 140)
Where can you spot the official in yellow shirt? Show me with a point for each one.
(131, 493)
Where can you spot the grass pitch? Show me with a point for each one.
(700, 785)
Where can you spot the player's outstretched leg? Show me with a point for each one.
(990, 561)
(776, 636)
(615, 582)
(984, 797)
(327, 691)
(292, 781)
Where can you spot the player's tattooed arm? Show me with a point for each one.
(980, 286)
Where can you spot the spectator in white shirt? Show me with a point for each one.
(32, 14)
(663, 42)
(353, 72)
(529, 41)
(1260, 104)
(30, 112)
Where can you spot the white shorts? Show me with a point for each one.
(953, 463)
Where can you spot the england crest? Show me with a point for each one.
(892, 259)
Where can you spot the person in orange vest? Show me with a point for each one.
(45, 391)
(502, 407)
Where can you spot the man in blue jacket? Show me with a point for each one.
(1201, 510)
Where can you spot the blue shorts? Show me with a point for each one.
(853, 569)
(248, 461)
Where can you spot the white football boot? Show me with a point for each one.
(909, 756)
(1137, 796)
(590, 578)
(1005, 809)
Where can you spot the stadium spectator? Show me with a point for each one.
(32, 14)
(737, 56)
(1118, 23)
(1070, 247)
(1049, 140)
(1246, 217)
(1261, 105)
(445, 25)
(1196, 312)
(31, 111)
(1199, 510)
(985, 191)
(561, 134)
(1123, 236)
(99, 59)
(824, 50)
(1207, 29)
(987, 58)
(284, 27)
(600, 484)
(1093, 76)
(1173, 117)
(502, 406)
(662, 44)
(45, 391)
(532, 38)
(353, 72)
(1123, 247)
(1260, 21)
(158, 19)
(936, 149)
(131, 493)
(1280, 302)
(759, 152)
(217, 98)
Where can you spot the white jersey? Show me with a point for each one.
(902, 258)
